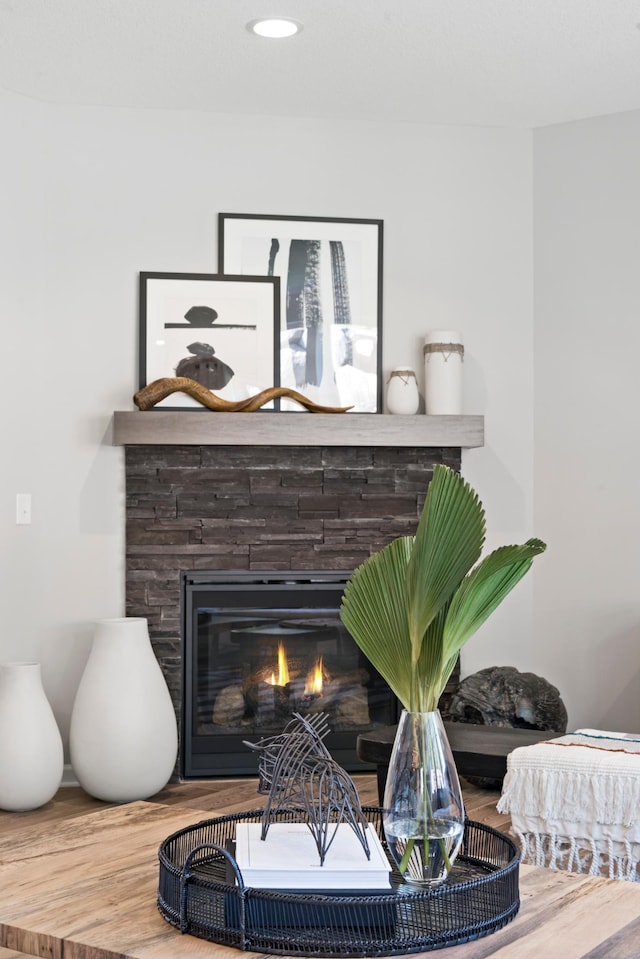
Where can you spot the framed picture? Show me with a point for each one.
(222, 331)
(331, 300)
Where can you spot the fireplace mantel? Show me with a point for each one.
(207, 428)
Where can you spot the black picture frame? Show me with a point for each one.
(220, 330)
(331, 299)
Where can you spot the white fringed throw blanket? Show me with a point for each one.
(574, 802)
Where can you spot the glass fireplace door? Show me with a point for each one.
(260, 647)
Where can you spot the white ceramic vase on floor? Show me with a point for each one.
(31, 760)
(123, 737)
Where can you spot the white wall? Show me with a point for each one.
(90, 197)
(587, 354)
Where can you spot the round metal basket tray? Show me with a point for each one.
(199, 895)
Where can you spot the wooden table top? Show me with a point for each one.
(85, 888)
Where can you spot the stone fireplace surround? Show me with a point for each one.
(236, 494)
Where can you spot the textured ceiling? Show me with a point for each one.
(488, 62)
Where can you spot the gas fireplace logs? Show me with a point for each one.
(274, 692)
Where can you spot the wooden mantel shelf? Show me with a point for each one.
(207, 428)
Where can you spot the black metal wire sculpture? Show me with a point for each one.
(297, 770)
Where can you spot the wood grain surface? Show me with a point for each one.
(78, 880)
(201, 427)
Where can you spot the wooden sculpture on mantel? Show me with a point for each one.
(158, 390)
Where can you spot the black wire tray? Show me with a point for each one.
(201, 893)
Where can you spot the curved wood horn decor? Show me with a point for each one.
(148, 396)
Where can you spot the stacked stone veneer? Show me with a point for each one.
(253, 507)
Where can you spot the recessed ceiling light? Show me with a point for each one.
(275, 28)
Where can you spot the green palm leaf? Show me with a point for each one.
(448, 542)
(374, 610)
(484, 589)
(412, 606)
(427, 673)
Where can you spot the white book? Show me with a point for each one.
(288, 859)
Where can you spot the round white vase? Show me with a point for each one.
(403, 397)
(123, 737)
(31, 758)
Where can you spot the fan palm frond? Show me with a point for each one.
(374, 610)
(448, 542)
(412, 606)
(483, 590)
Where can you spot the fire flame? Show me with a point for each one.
(313, 685)
(283, 669)
(315, 677)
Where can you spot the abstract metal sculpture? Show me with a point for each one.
(298, 772)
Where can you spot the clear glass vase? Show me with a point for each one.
(423, 808)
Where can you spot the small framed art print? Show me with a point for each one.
(220, 330)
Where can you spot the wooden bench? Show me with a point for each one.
(479, 751)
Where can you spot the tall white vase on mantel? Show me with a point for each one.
(443, 363)
(31, 758)
(123, 737)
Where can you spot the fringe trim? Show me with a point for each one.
(565, 852)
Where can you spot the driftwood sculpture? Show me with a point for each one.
(503, 696)
(297, 770)
(148, 396)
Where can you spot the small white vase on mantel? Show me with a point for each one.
(123, 737)
(403, 397)
(31, 758)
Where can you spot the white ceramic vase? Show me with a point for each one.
(403, 397)
(31, 759)
(123, 737)
(443, 360)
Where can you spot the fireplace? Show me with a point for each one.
(259, 646)
(267, 493)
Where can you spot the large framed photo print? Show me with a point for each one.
(330, 272)
(221, 331)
